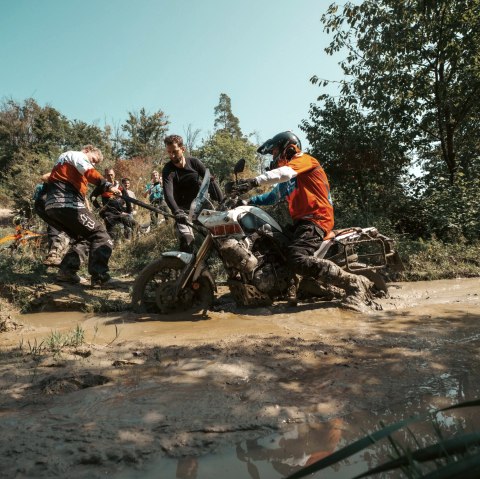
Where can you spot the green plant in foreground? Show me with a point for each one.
(457, 457)
(57, 341)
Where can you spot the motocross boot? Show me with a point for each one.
(292, 299)
(358, 289)
(53, 258)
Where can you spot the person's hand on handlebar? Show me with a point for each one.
(243, 186)
(181, 217)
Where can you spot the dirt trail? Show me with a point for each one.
(143, 388)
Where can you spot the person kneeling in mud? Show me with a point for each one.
(311, 209)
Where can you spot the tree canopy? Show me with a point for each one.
(398, 141)
(415, 63)
(144, 134)
(223, 148)
(365, 164)
(225, 120)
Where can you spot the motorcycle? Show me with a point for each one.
(251, 246)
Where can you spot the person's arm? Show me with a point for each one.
(296, 166)
(269, 198)
(278, 193)
(168, 186)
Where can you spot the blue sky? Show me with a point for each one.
(96, 60)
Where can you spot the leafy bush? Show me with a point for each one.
(434, 259)
(131, 257)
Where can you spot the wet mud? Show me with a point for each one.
(229, 390)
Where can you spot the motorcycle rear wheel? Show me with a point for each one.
(153, 290)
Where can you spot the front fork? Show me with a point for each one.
(194, 268)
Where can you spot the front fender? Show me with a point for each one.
(187, 258)
(184, 257)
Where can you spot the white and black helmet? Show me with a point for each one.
(282, 141)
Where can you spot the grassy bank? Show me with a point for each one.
(430, 260)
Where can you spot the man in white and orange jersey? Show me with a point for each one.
(65, 205)
(311, 209)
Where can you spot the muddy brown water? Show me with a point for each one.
(234, 393)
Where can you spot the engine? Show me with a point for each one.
(237, 255)
(272, 278)
(256, 257)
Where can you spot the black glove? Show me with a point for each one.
(245, 185)
(181, 217)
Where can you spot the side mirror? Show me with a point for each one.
(240, 166)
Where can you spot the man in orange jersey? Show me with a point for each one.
(311, 209)
(65, 206)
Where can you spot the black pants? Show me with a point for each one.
(89, 234)
(307, 238)
(55, 234)
(113, 219)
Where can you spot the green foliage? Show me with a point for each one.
(410, 95)
(221, 151)
(81, 133)
(365, 163)
(433, 259)
(452, 211)
(132, 256)
(445, 458)
(30, 128)
(31, 139)
(415, 64)
(144, 134)
(225, 120)
(57, 341)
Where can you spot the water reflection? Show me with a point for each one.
(298, 447)
(187, 468)
(277, 455)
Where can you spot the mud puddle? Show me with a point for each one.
(246, 393)
(279, 455)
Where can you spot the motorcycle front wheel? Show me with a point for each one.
(154, 287)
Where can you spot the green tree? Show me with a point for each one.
(31, 139)
(364, 162)
(415, 63)
(144, 134)
(220, 151)
(27, 127)
(81, 133)
(225, 120)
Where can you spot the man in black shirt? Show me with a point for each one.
(182, 178)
